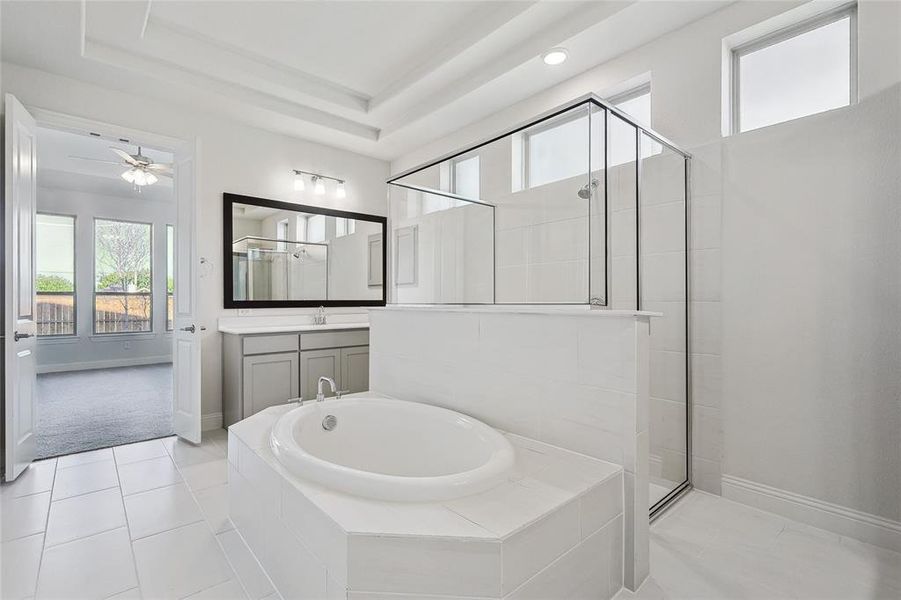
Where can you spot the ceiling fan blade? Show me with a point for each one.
(99, 160)
(159, 167)
(125, 155)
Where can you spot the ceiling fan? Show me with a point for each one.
(141, 171)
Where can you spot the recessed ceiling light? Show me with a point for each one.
(554, 56)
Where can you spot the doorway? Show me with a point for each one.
(104, 291)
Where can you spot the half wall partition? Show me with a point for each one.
(579, 206)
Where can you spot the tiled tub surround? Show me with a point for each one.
(553, 529)
(567, 376)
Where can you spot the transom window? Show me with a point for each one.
(465, 177)
(557, 150)
(795, 72)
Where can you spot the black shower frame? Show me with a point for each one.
(593, 100)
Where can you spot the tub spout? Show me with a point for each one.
(320, 396)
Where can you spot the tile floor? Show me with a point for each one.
(709, 547)
(149, 520)
(146, 520)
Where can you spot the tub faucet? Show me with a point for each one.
(331, 382)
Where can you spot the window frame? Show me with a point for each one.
(632, 94)
(169, 227)
(75, 302)
(94, 284)
(828, 17)
(563, 119)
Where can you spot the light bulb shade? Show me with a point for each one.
(139, 177)
(318, 186)
(340, 192)
(298, 182)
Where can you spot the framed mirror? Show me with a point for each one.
(279, 254)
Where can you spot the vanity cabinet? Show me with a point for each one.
(263, 370)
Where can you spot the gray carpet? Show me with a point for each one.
(85, 410)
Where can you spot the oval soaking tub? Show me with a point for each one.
(391, 449)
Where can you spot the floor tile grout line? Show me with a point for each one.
(79, 495)
(131, 544)
(37, 578)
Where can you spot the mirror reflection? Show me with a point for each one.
(281, 254)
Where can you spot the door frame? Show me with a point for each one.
(50, 119)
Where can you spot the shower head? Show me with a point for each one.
(300, 254)
(587, 189)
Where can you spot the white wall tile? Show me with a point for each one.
(601, 504)
(424, 566)
(245, 565)
(316, 530)
(531, 549)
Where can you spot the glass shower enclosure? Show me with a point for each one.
(579, 206)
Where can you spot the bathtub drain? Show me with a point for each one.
(329, 422)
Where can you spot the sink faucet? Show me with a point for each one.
(319, 318)
(331, 382)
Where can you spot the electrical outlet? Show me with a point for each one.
(245, 312)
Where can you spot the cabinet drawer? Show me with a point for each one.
(267, 344)
(334, 339)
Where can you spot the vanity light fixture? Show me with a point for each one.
(318, 181)
(555, 56)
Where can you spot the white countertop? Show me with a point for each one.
(290, 328)
(290, 324)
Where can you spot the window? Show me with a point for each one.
(122, 277)
(795, 72)
(465, 177)
(315, 228)
(637, 104)
(344, 226)
(170, 277)
(557, 150)
(281, 234)
(55, 274)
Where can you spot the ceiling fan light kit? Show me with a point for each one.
(318, 181)
(141, 170)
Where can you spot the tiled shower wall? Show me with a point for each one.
(705, 227)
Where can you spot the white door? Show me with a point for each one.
(19, 328)
(186, 351)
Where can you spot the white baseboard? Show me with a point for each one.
(856, 524)
(211, 421)
(103, 364)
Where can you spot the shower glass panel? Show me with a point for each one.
(581, 205)
(622, 199)
(441, 249)
(663, 287)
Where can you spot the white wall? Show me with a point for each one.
(86, 350)
(812, 307)
(233, 158)
(686, 81)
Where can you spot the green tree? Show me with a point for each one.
(123, 262)
(53, 283)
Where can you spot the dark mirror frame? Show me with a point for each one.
(228, 200)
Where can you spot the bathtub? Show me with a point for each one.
(391, 449)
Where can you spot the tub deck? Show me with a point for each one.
(553, 528)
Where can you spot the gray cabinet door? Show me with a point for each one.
(355, 369)
(319, 363)
(269, 379)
